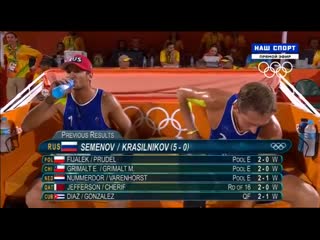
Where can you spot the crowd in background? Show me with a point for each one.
(231, 51)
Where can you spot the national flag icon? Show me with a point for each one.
(59, 196)
(59, 187)
(59, 159)
(59, 168)
(59, 177)
(69, 146)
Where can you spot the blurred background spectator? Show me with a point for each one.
(98, 60)
(18, 57)
(310, 51)
(121, 49)
(136, 52)
(316, 59)
(59, 55)
(208, 39)
(124, 61)
(169, 57)
(73, 42)
(174, 37)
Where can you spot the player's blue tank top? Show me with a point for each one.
(86, 116)
(227, 128)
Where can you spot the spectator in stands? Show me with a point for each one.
(208, 39)
(124, 61)
(136, 52)
(310, 51)
(73, 42)
(239, 40)
(174, 37)
(211, 58)
(122, 48)
(59, 56)
(18, 56)
(98, 60)
(233, 40)
(169, 57)
(226, 62)
(213, 51)
(240, 48)
(238, 56)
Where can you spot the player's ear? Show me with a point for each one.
(236, 107)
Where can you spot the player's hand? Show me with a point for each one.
(194, 136)
(58, 82)
(48, 92)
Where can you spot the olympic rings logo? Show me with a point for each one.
(150, 123)
(278, 146)
(275, 68)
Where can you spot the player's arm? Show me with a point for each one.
(36, 54)
(176, 57)
(117, 116)
(163, 58)
(188, 96)
(271, 131)
(43, 111)
(39, 114)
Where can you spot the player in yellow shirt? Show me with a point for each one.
(18, 56)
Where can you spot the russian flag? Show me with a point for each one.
(59, 196)
(69, 146)
(59, 168)
(59, 159)
(59, 177)
(59, 187)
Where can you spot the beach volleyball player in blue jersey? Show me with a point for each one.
(83, 108)
(249, 114)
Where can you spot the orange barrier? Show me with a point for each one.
(160, 82)
(155, 114)
(298, 74)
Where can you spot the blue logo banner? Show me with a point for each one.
(275, 48)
